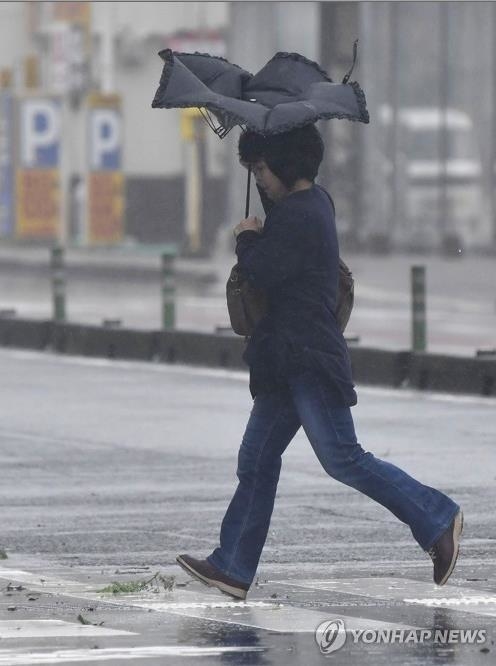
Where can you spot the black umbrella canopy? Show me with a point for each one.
(288, 92)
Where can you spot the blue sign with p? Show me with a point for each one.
(105, 140)
(40, 133)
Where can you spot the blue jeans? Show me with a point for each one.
(274, 421)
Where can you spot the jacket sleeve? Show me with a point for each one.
(275, 255)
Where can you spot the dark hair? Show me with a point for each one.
(289, 155)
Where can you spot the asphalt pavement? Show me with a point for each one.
(109, 469)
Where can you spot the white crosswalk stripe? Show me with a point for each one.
(200, 603)
(409, 591)
(275, 617)
(54, 628)
(272, 616)
(13, 658)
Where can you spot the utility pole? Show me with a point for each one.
(446, 234)
(393, 127)
(343, 166)
(492, 168)
(193, 135)
(107, 48)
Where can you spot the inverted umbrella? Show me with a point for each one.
(288, 92)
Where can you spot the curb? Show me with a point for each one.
(432, 372)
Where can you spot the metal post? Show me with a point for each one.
(107, 59)
(192, 131)
(58, 284)
(445, 232)
(492, 169)
(419, 323)
(394, 129)
(168, 290)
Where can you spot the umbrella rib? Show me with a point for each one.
(207, 118)
(219, 130)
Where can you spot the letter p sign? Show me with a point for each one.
(105, 139)
(40, 133)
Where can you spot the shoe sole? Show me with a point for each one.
(231, 591)
(457, 530)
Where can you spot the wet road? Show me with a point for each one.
(109, 469)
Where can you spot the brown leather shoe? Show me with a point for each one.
(209, 575)
(444, 552)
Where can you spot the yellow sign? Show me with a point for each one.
(106, 207)
(38, 203)
(189, 117)
(99, 100)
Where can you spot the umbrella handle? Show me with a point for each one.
(247, 206)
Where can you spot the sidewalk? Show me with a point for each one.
(122, 282)
(135, 261)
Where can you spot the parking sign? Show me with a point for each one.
(105, 180)
(38, 192)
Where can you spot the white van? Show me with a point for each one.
(421, 173)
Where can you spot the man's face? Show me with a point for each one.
(268, 181)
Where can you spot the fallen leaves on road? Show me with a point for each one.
(154, 584)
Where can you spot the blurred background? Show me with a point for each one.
(86, 163)
(86, 160)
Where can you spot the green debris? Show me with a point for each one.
(3, 555)
(154, 584)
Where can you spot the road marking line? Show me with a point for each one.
(272, 616)
(54, 628)
(275, 617)
(39, 582)
(409, 591)
(14, 658)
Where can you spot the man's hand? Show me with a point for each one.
(249, 224)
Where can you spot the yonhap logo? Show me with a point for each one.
(330, 635)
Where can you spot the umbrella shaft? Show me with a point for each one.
(247, 206)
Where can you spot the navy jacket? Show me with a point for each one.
(296, 260)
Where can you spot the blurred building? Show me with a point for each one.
(420, 176)
(421, 179)
(112, 47)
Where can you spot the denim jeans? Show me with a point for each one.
(274, 421)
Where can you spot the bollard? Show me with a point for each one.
(419, 324)
(168, 290)
(58, 284)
